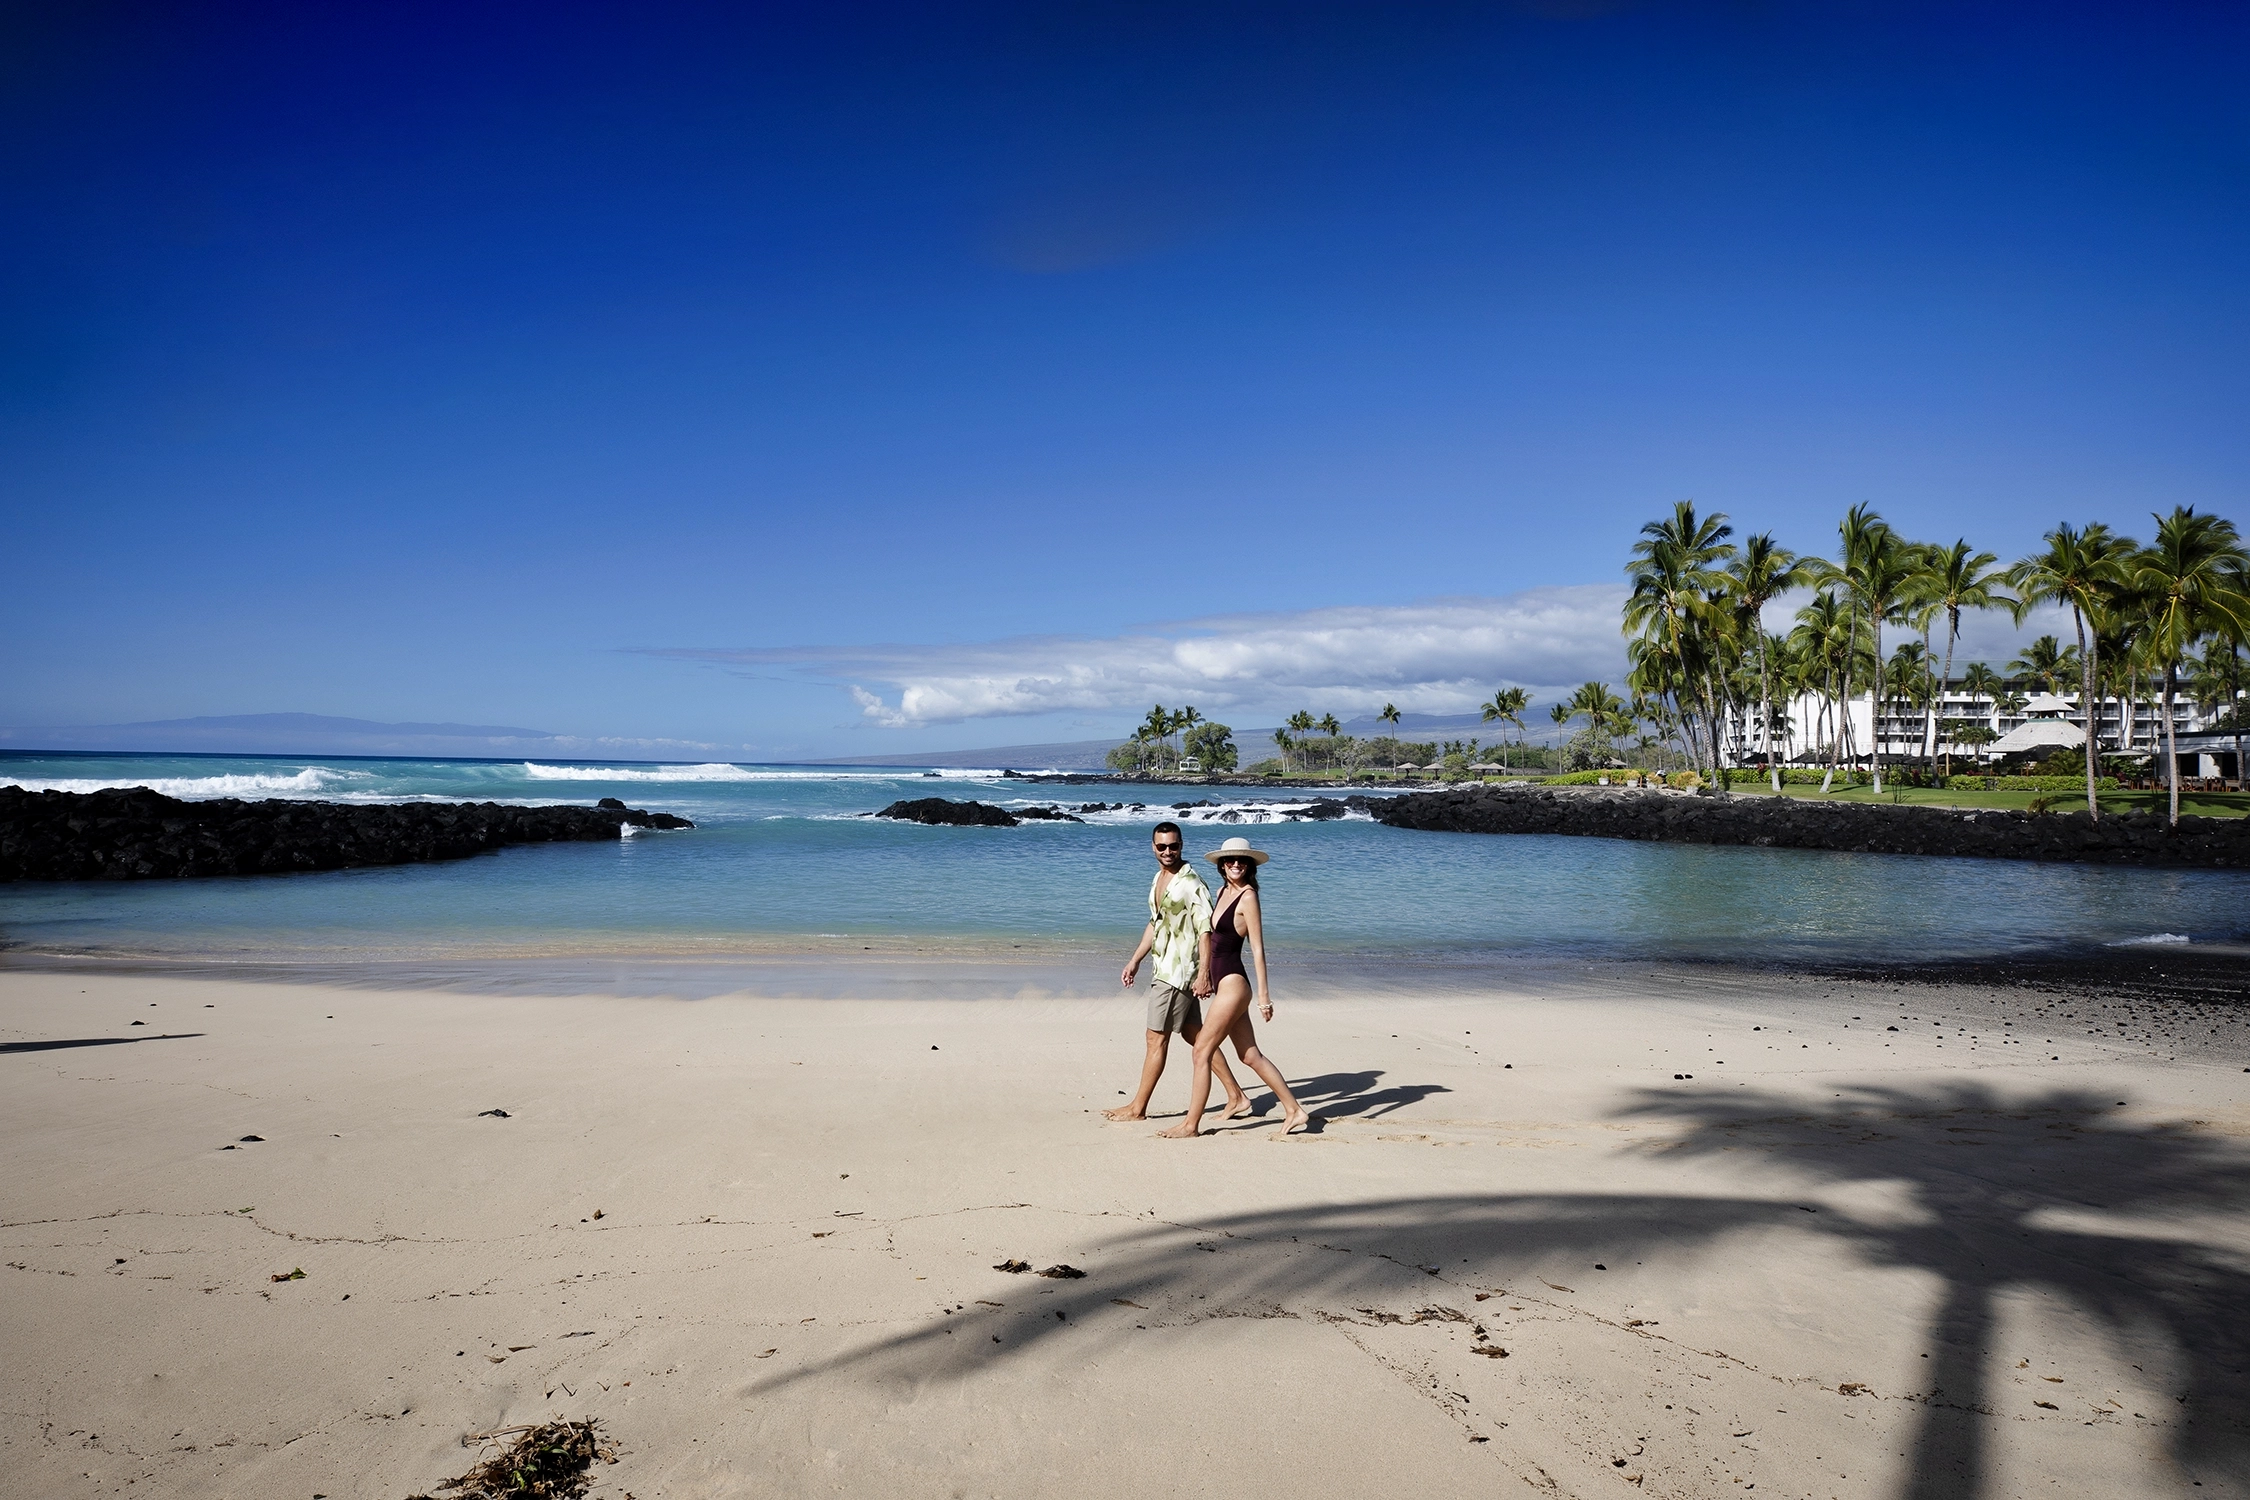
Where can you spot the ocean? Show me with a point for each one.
(784, 867)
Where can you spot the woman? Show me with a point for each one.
(1236, 919)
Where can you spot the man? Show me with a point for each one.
(1179, 935)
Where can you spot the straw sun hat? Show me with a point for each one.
(1237, 848)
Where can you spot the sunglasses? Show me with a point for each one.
(1166, 848)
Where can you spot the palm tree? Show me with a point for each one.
(1861, 532)
(1281, 738)
(2193, 576)
(1958, 579)
(1507, 705)
(2080, 568)
(2043, 661)
(1878, 572)
(2218, 680)
(1183, 721)
(1822, 641)
(1675, 573)
(1761, 572)
(1604, 711)
(1979, 681)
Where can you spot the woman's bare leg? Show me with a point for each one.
(1246, 1047)
(1238, 1103)
(1226, 1005)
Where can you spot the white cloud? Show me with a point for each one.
(1437, 656)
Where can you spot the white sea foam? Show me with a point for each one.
(714, 771)
(313, 781)
(721, 771)
(2154, 937)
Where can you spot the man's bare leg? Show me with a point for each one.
(1152, 1068)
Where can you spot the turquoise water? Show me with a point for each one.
(782, 860)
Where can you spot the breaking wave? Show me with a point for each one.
(714, 771)
(313, 781)
(2154, 937)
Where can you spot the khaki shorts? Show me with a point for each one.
(1172, 1010)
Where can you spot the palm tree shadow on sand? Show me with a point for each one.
(2004, 1187)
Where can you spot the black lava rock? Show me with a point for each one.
(938, 810)
(1801, 823)
(1046, 815)
(137, 834)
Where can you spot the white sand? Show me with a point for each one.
(1840, 1262)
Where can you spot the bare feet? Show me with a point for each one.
(1236, 1110)
(1298, 1120)
(1123, 1113)
(1179, 1132)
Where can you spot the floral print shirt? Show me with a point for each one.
(1182, 915)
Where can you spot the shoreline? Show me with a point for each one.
(1687, 1231)
(2215, 974)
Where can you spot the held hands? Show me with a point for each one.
(1204, 986)
(1125, 977)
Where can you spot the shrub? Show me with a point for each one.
(2028, 784)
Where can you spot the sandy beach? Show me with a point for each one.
(2001, 1249)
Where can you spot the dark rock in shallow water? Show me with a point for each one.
(939, 811)
(136, 834)
(1801, 823)
(1323, 810)
(1046, 815)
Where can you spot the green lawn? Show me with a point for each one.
(2202, 804)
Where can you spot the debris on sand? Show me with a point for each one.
(546, 1462)
(296, 1275)
(1063, 1273)
(1013, 1267)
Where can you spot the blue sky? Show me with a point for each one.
(785, 381)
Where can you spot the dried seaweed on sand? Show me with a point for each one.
(550, 1461)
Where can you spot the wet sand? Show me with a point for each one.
(2002, 1249)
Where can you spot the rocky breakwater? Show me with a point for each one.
(137, 834)
(1801, 823)
(945, 814)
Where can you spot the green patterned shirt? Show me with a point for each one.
(1181, 918)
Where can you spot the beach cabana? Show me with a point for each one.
(2035, 735)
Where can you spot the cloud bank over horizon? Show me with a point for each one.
(1433, 656)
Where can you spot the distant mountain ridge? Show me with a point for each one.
(327, 734)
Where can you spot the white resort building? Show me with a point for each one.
(2041, 724)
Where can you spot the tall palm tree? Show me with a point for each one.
(2044, 661)
(1980, 682)
(1182, 722)
(2081, 569)
(1281, 738)
(1761, 572)
(1960, 578)
(1507, 706)
(2218, 681)
(1675, 571)
(1878, 578)
(1861, 533)
(1822, 640)
(2193, 576)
